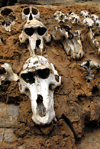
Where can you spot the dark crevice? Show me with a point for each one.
(95, 90)
(68, 122)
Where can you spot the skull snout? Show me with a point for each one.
(40, 106)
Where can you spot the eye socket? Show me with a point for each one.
(28, 77)
(6, 11)
(34, 11)
(41, 30)
(26, 11)
(44, 74)
(29, 31)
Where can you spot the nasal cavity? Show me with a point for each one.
(41, 110)
(39, 99)
(38, 42)
(30, 17)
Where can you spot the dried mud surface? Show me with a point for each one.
(77, 104)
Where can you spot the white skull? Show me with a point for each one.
(30, 13)
(89, 22)
(74, 18)
(37, 81)
(95, 17)
(84, 13)
(35, 32)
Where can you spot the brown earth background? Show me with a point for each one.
(77, 104)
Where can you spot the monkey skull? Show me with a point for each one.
(38, 82)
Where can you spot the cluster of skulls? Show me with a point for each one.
(37, 80)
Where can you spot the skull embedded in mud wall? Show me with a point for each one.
(38, 82)
(8, 17)
(36, 33)
(30, 13)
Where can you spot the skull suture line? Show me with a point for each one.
(36, 33)
(38, 81)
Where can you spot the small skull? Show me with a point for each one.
(90, 65)
(60, 17)
(71, 42)
(35, 32)
(9, 18)
(84, 13)
(94, 17)
(7, 74)
(89, 22)
(37, 81)
(30, 13)
(74, 18)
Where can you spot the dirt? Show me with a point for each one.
(76, 103)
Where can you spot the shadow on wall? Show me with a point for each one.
(7, 2)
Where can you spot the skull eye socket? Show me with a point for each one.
(29, 31)
(26, 11)
(6, 11)
(28, 77)
(41, 30)
(34, 11)
(44, 74)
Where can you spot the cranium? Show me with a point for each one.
(93, 40)
(9, 18)
(89, 66)
(74, 17)
(98, 23)
(30, 13)
(36, 33)
(95, 17)
(84, 13)
(71, 43)
(38, 81)
(89, 22)
(60, 17)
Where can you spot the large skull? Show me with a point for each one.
(30, 13)
(35, 32)
(37, 81)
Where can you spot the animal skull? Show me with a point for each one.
(95, 17)
(71, 43)
(30, 13)
(89, 22)
(36, 33)
(74, 18)
(9, 18)
(84, 13)
(38, 81)
(60, 17)
(90, 65)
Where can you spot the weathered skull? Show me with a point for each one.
(84, 13)
(90, 65)
(9, 17)
(71, 42)
(60, 17)
(37, 81)
(74, 17)
(89, 22)
(30, 13)
(36, 33)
